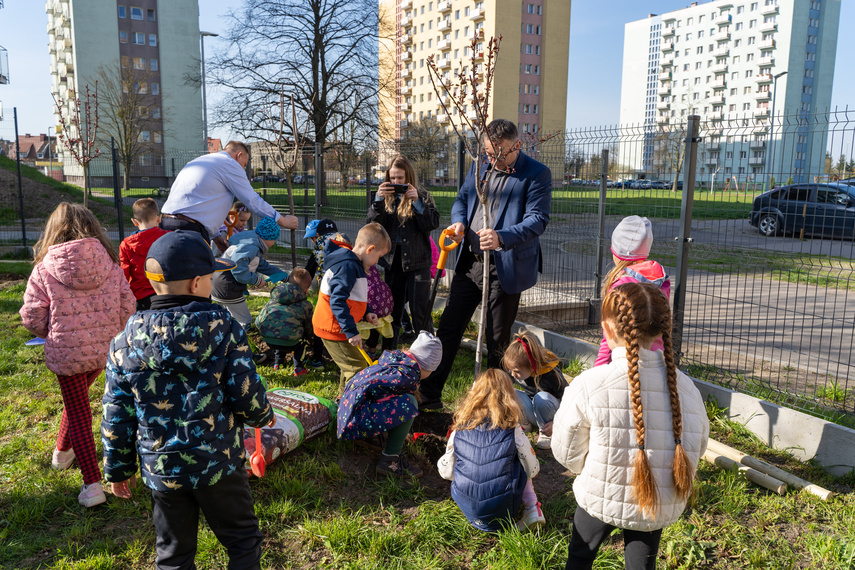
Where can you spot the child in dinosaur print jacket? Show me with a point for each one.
(180, 386)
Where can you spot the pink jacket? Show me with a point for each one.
(77, 299)
(647, 271)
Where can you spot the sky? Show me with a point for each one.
(593, 90)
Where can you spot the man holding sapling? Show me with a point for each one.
(519, 191)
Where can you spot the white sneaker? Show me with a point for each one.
(532, 518)
(91, 495)
(526, 426)
(62, 459)
(544, 441)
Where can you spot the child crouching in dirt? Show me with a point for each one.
(381, 400)
(489, 459)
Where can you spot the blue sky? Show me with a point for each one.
(596, 51)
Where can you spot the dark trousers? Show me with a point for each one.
(463, 299)
(229, 510)
(411, 287)
(639, 548)
(172, 224)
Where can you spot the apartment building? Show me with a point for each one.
(731, 62)
(530, 85)
(160, 39)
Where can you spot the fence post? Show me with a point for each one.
(318, 173)
(368, 182)
(596, 305)
(20, 187)
(117, 192)
(306, 198)
(684, 240)
(461, 164)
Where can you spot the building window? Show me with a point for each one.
(139, 39)
(143, 136)
(136, 13)
(123, 37)
(528, 69)
(153, 65)
(537, 89)
(155, 89)
(152, 40)
(141, 88)
(526, 109)
(535, 109)
(537, 70)
(150, 14)
(158, 138)
(124, 60)
(123, 12)
(139, 63)
(155, 113)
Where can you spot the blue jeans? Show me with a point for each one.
(539, 410)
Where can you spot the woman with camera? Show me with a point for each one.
(409, 214)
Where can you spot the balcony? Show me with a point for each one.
(665, 89)
(711, 161)
(404, 123)
(442, 118)
(476, 34)
(479, 55)
(667, 46)
(768, 44)
(476, 14)
(663, 105)
(761, 113)
(767, 61)
(443, 25)
(719, 84)
(714, 131)
(667, 61)
(764, 78)
(713, 146)
(444, 63)
(406, 38)
(722, 36)
(404, 107)
(762, 96)
(725, 21)
(406, 4)
(443, 45)
(769, 10)
(756, 161)
(406, 90)
(405, 22)
(406, 56)
(714, 116)
(666, 76)
(662, 120)
(770, 27)
(668, 32)
(444, 6)
(757, 144)
(406, 73)
(723, 51)
(719, 68)
(717, 100)
(759, 129)
(472, 115)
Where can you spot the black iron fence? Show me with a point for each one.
(762, 283)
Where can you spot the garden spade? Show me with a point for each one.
(256, 461)
(440, 266)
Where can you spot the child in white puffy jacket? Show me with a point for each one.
(638, 484)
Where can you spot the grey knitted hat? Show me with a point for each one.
(632, 238)
(427, 350)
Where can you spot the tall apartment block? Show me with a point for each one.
(160, 38)
(723, 60)
(533, 58)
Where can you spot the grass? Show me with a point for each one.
(317, 509)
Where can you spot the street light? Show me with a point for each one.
(772, 124)
(202, 36)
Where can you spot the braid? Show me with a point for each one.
(683, 472)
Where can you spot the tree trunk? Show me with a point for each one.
(485, 291)
(126, 178)
(291, 210)
(86, 185)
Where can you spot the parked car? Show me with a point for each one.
(818, 209)
(257, 178)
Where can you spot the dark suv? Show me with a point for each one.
(818, 209)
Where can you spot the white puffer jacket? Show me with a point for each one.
(593, 435)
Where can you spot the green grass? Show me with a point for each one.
(317, 509)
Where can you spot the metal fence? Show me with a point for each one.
(770, 315)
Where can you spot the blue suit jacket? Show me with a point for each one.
(522, 216)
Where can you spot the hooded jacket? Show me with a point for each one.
(180, 385)
(343, 297)
(246, 250)
(286, 316)
(647, 271)
(77, 299)
(593, 435)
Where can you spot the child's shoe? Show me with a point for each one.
(62, 460)
(532, 518)
(300, 371)
(397, 466)
(526, 425)
(544, 441)
(91, 495)
(276, 359)
(315, 364)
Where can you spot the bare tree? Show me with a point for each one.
(425, 142)
(322, 51)
(78, 131)
(128, 113)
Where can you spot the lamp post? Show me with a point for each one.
(202, 36)
(772, 124)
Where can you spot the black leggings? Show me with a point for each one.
(639, 547)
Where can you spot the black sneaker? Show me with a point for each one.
(397, 466)
(431, 405)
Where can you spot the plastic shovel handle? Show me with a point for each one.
(444, 248)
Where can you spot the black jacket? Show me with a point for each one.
(415, 232)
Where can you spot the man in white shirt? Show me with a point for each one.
(203, 192)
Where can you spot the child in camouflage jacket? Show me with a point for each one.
(285, 322)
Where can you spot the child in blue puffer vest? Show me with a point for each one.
(489, 459)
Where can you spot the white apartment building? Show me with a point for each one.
(731, 62)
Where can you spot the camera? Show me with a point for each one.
(400, 188)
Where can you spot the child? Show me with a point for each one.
(134, 248)
(77, 299)
(320, 232)
(343, 298)
(180, 386)
(285, 322)
(640, 484)
(631, 242)
(538, 381)
(246, 251)
(489, 459)
(235, 222)
(381, 400)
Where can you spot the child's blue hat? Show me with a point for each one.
(320, 227)
(267, 228)
(183, 254)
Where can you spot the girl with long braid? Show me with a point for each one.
(633, 430)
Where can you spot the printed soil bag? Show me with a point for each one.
(299, 416)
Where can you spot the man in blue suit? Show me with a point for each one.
(519, 192)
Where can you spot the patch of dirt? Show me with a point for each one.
(9, 279)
